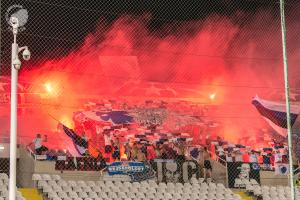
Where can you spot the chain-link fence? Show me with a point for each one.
(170, 91)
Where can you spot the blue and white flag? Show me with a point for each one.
(80, 144)
(114, 117)
(275, 114)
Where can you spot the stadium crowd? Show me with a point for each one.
(179, 149)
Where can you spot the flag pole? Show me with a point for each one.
(287, 98)
(54, 118)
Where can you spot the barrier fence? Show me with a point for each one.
(153, 91)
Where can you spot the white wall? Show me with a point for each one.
(4, 151)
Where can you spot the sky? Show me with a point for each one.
(64, 24)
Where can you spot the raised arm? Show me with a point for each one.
(45, 138)
(28, 145)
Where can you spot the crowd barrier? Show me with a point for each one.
(164, 170)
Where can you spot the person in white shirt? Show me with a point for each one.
(107, 141)
(38, 144)
(238, 156)
(221, 155)
(278, 157)
(252, 157)
(229, 157)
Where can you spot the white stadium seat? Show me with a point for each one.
(72, 183)
(46, 177)
(72, 194)
(54, 187)
(56, 177)
(36, 177)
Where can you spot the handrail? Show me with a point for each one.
(218, 158)
(31, 152)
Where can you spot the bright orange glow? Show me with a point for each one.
(124, 157)
(212, 96)
(49, 87)
(67, 121)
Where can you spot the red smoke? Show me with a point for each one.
(192, 61)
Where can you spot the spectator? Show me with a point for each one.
(238, 156)
(171, 152)
(195, 153)
(38, 144)
(52, 154)
(285, 157)
(141, 155)
(84, 136)
(221, 154)
(134, 152)
(207, 164)
(181, 151)
(68, 154)
(101, 164)
(86, 153)
(229, 157)
(164, 151)
(116, 154)
(277, 157)
(157, 149)
(107, 141)
(128, 150)
(60, 152)
(144, 149)
(252, 157)
(150, 152)
(267, 160)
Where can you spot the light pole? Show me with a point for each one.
(15, 66)
(287, 98)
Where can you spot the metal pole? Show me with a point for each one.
(13, 123)
(287, 98)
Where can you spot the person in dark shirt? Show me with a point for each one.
(267, 160)
(207, 164)
(164, 152)
(128, 151)
(116, 154)
(101, 164)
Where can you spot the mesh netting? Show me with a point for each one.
(169, 91)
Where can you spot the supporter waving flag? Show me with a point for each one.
(80, 143)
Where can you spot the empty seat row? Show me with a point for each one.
(273, 193)
(4, 181)
(56, 188)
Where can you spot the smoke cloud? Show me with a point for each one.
(186, 60)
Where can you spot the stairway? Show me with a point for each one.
(243, 195)
(219, 172)
(30, 194)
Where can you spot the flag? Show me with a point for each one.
(114, 117)
(275, 114)
(80, 143)
(93, 151)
